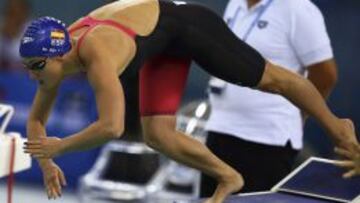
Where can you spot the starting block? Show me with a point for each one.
(11, 146)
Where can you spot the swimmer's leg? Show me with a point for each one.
(162, 82)
(160, 133)
(223, 55)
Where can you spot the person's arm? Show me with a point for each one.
(311, 43)
(102, 75)
(304, 95)
(110, 106)
(323, 76)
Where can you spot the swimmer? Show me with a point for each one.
(157, 39)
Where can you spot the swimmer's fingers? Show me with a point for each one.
(345, 164)
(350, 174)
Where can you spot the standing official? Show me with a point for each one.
(257, 133)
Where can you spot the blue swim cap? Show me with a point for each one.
(45, 37)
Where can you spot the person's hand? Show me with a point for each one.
(351, 161)
(48, 147)
(54, 179)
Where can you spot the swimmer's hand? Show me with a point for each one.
(53, 178)
(48, 147)
(351, 161)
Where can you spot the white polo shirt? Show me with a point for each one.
(290, 33)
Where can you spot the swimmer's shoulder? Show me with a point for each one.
(117, 52)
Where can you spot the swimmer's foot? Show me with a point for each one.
(227, 185)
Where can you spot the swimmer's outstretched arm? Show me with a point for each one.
(303, 94)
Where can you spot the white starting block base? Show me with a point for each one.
(22, 161)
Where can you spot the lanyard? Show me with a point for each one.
(251, 27)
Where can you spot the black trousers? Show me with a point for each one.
(191, 30)
(262, 166)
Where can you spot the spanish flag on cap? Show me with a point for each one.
(57, 34)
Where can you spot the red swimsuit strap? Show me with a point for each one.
(92, 23)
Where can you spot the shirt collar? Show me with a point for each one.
(244, 5)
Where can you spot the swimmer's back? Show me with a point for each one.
(140, 16)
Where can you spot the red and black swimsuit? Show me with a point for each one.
(184, 32)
